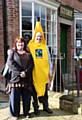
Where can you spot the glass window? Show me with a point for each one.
(37, 9)
(26, 9)
(53, 27)
(53, 39)
(26, 23)
(43, 12)
(47, 19)
(78, 35)
(79, 29)
(53, 16)
(43, 24)
(48, 26)
(26, 20)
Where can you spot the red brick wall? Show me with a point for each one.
(1, 37)
(13, 20)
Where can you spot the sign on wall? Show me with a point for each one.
(66, 12)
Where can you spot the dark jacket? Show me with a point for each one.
(16, 67)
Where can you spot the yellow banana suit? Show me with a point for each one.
(41, 63)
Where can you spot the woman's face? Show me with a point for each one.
(20, 45)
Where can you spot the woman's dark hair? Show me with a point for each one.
(21, 40)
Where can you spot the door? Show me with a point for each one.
(63, 47)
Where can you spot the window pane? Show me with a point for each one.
(43, 11)
(53, 16)
(78, 35)
(49, 39)
(26, 23)
(43, 24)
(53, 39)
(49, 26)
(37, 10)
(48, 14)
(78, 29)
(26, 9)
(53, 27)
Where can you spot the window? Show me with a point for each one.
(29, 14)
(78, 35)
(26, 19)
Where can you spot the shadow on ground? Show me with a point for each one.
(56, 112)
(43, 114)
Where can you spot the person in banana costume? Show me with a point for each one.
(38, 49)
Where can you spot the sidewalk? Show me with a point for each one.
(53, 103)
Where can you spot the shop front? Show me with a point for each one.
(65, 43)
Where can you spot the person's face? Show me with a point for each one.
(38, 37)
(20, 45)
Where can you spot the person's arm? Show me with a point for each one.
(13, 66)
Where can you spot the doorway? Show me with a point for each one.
(63, 47)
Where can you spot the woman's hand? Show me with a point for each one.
(23, 74)
(8, 89)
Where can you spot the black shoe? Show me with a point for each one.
(37, 112)
(48, 110)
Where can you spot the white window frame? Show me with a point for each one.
(45, 3)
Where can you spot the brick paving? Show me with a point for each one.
(53, 103)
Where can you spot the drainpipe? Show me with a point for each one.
(4, 9)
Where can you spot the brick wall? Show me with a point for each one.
(13, 20)
(1, 37)
(1, 41)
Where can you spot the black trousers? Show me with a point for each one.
(15, 101)
(44, 99)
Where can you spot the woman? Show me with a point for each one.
(20, 63)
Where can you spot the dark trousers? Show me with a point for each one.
(15, 101)
(44, 99)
